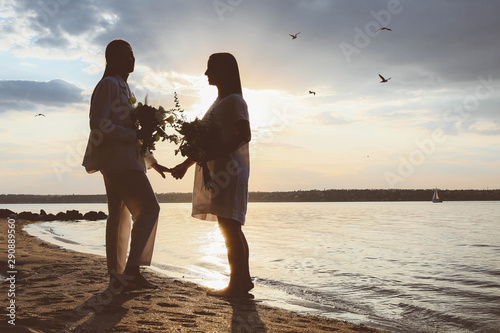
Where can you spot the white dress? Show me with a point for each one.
(229, 195)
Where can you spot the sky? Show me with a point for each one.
(435, 123)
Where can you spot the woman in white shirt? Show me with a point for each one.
(226, 200)
(113, 149)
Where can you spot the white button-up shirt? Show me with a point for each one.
(112, 141)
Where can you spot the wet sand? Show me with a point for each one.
(59, 290)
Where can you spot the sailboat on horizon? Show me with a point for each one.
(435, 197)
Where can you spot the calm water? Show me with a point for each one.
(402, 266)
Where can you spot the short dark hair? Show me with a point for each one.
(112, 53)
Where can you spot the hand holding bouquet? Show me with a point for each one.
(151, 123)
(198, 138)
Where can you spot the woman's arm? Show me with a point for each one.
(242, 137)
(180, 170)
(161, 169)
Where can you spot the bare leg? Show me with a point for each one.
(237, 254)
(246, 280)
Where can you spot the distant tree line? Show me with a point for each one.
(373, 195)
(290, 196)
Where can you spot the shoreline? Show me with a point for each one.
(60, 290)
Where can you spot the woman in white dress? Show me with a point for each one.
(226, 200)
(113, 149)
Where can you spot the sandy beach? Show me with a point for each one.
(58, 290)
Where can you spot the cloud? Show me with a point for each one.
(182, 34)
(485, 128)
(277, 145)
(326, 118)
(55, 18)
(20, 95)
(435, 55)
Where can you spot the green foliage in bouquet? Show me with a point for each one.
(198, 139)
(153, 122)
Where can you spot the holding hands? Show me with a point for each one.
(180, 170)
(161, 169)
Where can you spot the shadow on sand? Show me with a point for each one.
(101, 312)
(246, 317)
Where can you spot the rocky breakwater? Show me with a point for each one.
(69, 215)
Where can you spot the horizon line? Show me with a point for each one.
(285, 191)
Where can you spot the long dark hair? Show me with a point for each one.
(112, 54)
(225, 64)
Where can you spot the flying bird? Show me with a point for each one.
(383, 79)
(312, 92)
(40, 114)
(385, 28)
(294, 36)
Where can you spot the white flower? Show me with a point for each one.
(160, 116)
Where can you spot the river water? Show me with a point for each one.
(401, 266)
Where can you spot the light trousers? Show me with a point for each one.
(130, 197)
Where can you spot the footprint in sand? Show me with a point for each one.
(204, 313)
(140, 309)
(50, 300)
(304, 320)
(42, 279)
(279, 320)
(120, 328)
(183, 320)
(149, 322)
(168, 305)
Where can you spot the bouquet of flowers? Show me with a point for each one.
(152, 122)
(198, 140)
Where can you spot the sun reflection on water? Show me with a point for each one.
(213, 255)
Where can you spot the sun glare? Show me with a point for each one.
(214, 256)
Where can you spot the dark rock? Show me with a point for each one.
(28, 216)
(61, 216)
(73, 215)
(5, 213)
(95, 216)
(70, 215)
(91, 216)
